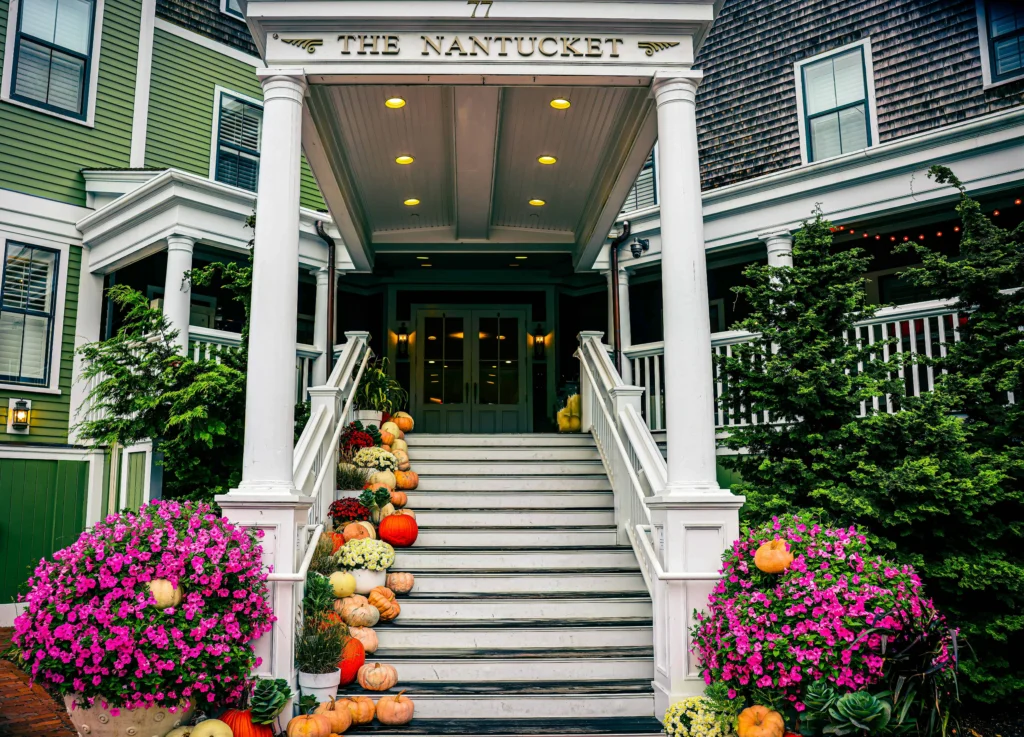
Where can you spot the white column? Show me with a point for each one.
(779, 245)
(625, 330)
(610, 332)
(177, 290)
(87, 330)
(320, 337)
(270, 380)
(693, 520)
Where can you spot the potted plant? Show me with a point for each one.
(368, 561)
(378, 393)
(317, 653)
(102, 614)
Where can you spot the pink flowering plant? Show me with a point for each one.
(838, 615)
(93, 628)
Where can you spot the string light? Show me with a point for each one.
(995, 212)
(878, 237)
(1016, 202)
(921, 237)
(939, 234)
(956, 228)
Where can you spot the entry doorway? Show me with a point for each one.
(471, 370)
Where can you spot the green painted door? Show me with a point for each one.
(42, 509)
(136, 483)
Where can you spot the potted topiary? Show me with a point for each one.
(378, 394)
(368, 561)
(111, 623)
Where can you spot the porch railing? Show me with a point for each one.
(921, 329)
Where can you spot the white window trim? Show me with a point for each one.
(217, 92)
(225, 11)
(94, 68)
(869, 74)
(986, 60)
(64, 249)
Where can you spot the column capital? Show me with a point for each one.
(672, 86)
(322, 274)
(282, 84)
(772, 236)
(177, 242)
(779, 246)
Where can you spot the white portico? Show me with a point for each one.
(440, 128)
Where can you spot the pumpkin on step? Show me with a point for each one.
(408, 512)
(401, 583)
(381, 478)
(361, 708)
(399, 444)
(773, 557)
(404, 421)
(404, 464)
(383, 599)
(387, 438)
(336, 712)
(241, 724)
(367, 636)
(395, 709)
(358, 531)
(759, 721)
(353, 656)
(377, 677)
(407, 480)
(309, 725)
(390, 427)
(399, 499)
(357, 611)
(400, 530)
(344, 584)
(378, 514)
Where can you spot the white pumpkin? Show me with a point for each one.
(391, 428)
(399, 444)
(376, 515)
(383, 478)
(211, 728)
(165, 593)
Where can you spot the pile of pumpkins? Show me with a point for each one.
(337, 716)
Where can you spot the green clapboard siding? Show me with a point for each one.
(42, 509)
(726, 477)
(181, 103)
(50, 412)
(43, 155)
(136, 480)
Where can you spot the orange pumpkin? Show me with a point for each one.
(407, 480)
(353, 656)
(242, 725)
(384, 599)
(399, 498)
(386, 447)
(386, 438)
(365, 635)
(403, 420)
(399, 530)
(377, 677)
(760, 721)
(395, 709)
(361, 708)
(773, 557)
(338, 539)
(404, 464)
(357, 611)
(309, 725)
(401, 583)
(358, 531)
(337, 713)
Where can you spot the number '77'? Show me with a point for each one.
(476, 6)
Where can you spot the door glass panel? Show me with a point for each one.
(488, 348)
(433, 344)
(508, 346)
(444, 368)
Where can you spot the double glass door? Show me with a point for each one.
(471, 371)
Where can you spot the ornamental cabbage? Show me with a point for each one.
(374, 555)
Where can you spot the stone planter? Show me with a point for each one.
(367, 580)
(156, 721)
(368, 416)
(324, 686)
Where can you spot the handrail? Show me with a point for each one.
(644, 535)
(300, 575)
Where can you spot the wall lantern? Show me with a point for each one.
(538, 342)
(19, 415)
(403, 341)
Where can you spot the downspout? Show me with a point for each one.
(613, 257)
(330, 294)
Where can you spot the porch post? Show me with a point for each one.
(693, 520)
(178, 291)
(320, 338)
(779, 245)
(625, 330)
(270, 380)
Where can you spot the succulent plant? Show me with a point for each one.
(268, 699)
(818, 698)
(858, 713)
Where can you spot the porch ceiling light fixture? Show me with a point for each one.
(561, 103)
(411, 202)
(394, 103)
(21, 414)
(404, 159)
(403, 341)
(538, 202)
(548, 160)
(538, 342)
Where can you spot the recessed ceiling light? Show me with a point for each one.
(538, 203)
(394, 102)
(411, 202)
(423, 258)
(560, 103)
(426, 266)
(547, 160)
(404, 159)
(521, 258)
(513, 264)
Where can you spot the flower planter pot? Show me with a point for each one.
(367, 580)
(155, 721)
(368, 416)
(323, 686)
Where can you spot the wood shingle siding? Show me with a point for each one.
(927, 74)
(43, 155)
(205, 17)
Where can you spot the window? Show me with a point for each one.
(232, 7)
(835, 104)
(27, 313)
(644, 191)
(239, 130)
(1002, 40)
(52, 55)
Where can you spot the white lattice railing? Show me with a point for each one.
(921, 329)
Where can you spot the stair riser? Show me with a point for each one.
(514, 484)
(555, 609)
(537, 440)
(412, 559)
(513, 538)
(513, 518)
(507, 468)
(514, 584)
(485, 455)
(514, 637)
(461, 670)
(532, 707)
(523, 499)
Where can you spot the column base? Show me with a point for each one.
(264, 488)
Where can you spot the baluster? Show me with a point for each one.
(930, 370)
(915, 353)
(885, 357)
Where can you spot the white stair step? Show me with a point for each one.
(555, 606)
(544, 440)
(518, 634)
(460, 666)
(476, 499)
(428, 518)
(463, 537)
(420, 558)
(508, 468)
(509, 582)
(513, 483)
(489, 454)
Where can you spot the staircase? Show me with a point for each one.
(526, 618)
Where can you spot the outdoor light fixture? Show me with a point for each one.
(538, 342)
(403, 341)
(394, 103)
(411, 202)
(521, 258)
(404, 159)
(560, 103)
(547, 160)
(639, 247)
(20, 411)
(538, 203)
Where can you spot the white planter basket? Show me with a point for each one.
(324, 686)
(99, 722)
(368, 416)
(367, 580)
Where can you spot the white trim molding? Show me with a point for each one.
(94, 68)
(986, 57)
(143, 78)
(209, 43)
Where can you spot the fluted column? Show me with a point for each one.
(320, 339)
(177, 290)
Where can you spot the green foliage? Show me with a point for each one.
(379, 391)
(318, 599)
(858, 713)
(269, 699)
(818, 698)
(323, 561)
(375, 498)
(351, 477)
(318, 647)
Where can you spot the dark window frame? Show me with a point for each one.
(864, 102)
(81, 115)
(992, 40)
(257, 153)
(51, 316)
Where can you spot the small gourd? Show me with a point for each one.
(309, 725)
(399, 444)
(211, 728)
(407, 480)
(381, 478)
(403, 420)
(344, 584)
(399, 499)
(760, 721)
(367, 636)
(358, 531)
(386, 438)
(337, 714)
(377, 677)
(395, 709)
(404, 464)
(390, 427)
(376, 515)
(361, 708)
(773, 557)
(383, 599)
(401, 583)
(165, 593)
(357, 611)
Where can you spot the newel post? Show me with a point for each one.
(586, 390)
